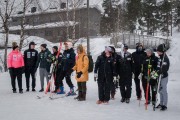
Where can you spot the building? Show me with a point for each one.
(54, 23)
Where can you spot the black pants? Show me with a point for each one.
(29, 73)
(104, 89)
(61, 76)
(152, 88)
(16, 73)
(125, 91)
(113, 88)
(137, 84)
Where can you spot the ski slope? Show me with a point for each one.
(27, 107)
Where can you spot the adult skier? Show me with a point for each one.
(81, 68)
(30, 59)
(44, 64)
(125, 72)
(67, 63)
(103, 73)
(149, 66)
(163, 67)
(138, 56)
(15, 63)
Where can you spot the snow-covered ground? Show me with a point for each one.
(27, 107)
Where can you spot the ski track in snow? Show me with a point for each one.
(26, 106)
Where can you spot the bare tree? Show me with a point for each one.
(6, 10)
(26, 4)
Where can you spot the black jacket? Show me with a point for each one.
(68, 59)
(165, 67)
(138, 58)
(149, 61)
(30, 58)
(104, 66)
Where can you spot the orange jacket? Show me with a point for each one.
(82, 65)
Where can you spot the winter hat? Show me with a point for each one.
(107, 48)
(113, 49)
(44, 45)
(161, 48)
(150, 50)
(55, 47)
(80, 48)
(69, 44)
(14, 45)
(126, 46)
(32, 43)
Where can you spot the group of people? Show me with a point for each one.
(111, 70)
(111, 67)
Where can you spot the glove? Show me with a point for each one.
(114, 79)
(149, 66)
(154, 75)
(95, 76)
(79, 74)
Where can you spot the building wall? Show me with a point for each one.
(81, 28)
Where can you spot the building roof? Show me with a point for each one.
(46, 25)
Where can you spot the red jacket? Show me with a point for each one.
(15, 59)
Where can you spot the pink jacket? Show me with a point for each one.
(15, 59)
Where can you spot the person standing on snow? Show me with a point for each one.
(81, 68)
(138, 56)
(149, 65)
(15, 64)
(163, 67)
(103, 72)
(67, 63)
(115, 83)
(30, 59)
(44, 64)
(124, 65)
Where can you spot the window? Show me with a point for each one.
(48, 33)
(63, 5)
(60, 33)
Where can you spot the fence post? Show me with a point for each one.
(123, 39)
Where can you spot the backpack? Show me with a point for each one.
(91, 63)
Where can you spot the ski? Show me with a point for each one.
(40, 97)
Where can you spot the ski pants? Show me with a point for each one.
(16, 73)
(60, 78)
(137, 83)
(163, 91)
(104, 89)
(125, 91)
(43, 74)
(113, 88)
(152, 89)
(27, 75)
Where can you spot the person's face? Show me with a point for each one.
(140, 48)
(54, 50)
(159, 53)
(78, 51)
(125, 50)
(148, 54)
(66, 47)
(107, 53)
(42, 48)
(32, 46)
(17, 49)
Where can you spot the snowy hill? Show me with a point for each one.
(27, 107)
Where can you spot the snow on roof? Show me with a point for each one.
(46, 25)
(44, 6)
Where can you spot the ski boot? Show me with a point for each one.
(61, 91)
(159, 106)
(163, 108)
(71, 92)
(123, 100)
(127, 100)
(99, 102)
